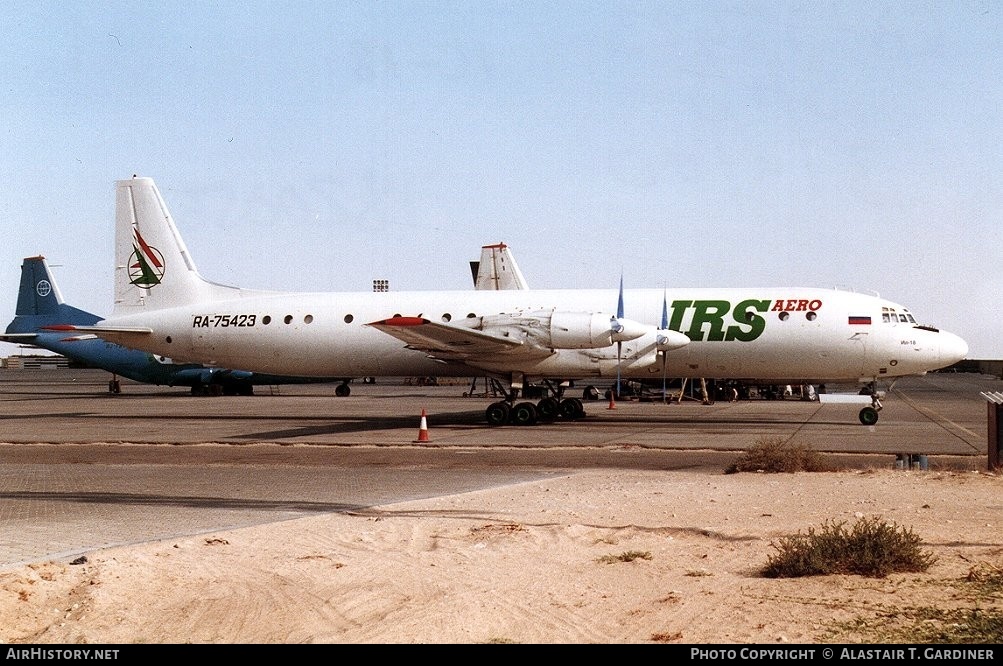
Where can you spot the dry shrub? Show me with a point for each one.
(871, 547)
(778, 455)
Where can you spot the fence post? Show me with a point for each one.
(994, 404)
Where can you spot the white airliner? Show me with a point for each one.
(775, 335)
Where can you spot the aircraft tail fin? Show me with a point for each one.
(153, 267)
(38, 293)
(497, 269)
(39, 301)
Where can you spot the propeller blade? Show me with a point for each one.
(665, 352)
(665, 312)
(619, 349)
(619, 303)
(619, 328)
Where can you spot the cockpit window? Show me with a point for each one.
(890, 316)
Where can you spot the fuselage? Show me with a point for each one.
(775, 334)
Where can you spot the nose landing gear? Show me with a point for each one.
(869, 415)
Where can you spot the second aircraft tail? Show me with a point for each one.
(40, 303)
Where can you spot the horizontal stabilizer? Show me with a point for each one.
(17, 337)
(100, 329)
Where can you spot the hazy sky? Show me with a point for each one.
(320, 145)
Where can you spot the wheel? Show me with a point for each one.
(579, 408)
(342, 390)
(497, 413)
(868, 416)
(590, 393)
(572, 408)
(524, 413)
(548, 409)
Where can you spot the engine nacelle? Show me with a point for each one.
(552, 329)
(580, 330)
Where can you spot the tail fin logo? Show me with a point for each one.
(43, 288)
(146, 265)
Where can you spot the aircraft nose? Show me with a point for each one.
(952, 348)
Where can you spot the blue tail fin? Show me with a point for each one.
(39, 301)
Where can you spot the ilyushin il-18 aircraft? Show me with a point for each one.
(775, 335)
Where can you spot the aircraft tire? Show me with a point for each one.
(342, 390)
(868, 416)
(497, 413)
(524, 414)
(590, 393)
(572, 409)
(548, 409)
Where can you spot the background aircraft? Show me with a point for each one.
(777, 334)
(497, 269)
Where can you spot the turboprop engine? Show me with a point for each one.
(553, 329)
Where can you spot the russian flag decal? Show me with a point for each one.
(856, 319)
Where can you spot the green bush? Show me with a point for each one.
(778, 455)
(871, 547)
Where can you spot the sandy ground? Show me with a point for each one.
(528, 564)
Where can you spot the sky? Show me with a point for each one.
(317, 146)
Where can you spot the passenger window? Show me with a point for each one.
(349, 319)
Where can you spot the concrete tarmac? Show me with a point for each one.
(82, 468)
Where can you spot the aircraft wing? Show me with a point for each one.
(447, 342)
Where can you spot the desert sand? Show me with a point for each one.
(591, 557)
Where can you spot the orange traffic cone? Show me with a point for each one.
(612, 399)
(423, 429)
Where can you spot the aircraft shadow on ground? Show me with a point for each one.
(192, 502)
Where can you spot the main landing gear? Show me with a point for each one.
(869, 415)
(526, 412)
